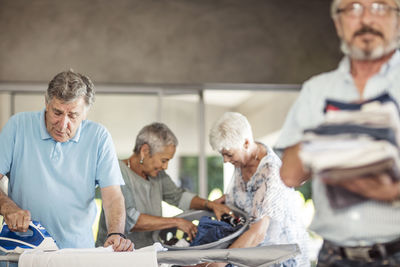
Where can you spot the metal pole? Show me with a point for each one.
(12, 103)
(160, 103)
(203, 185)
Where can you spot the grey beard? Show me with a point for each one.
(358, 54)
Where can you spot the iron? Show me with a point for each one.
(36, 237)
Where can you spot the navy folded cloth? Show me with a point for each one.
(210, 230)
(378, 133)
(331, 104)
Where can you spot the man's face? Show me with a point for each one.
(63, 119)
(368, 36)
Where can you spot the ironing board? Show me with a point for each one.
(242, 257)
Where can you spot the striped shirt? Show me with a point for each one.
(366, 223)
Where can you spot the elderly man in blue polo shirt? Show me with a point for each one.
(54, 159)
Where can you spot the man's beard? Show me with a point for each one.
(367, 53)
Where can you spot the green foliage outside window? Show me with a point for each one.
(305, 189)
(188, 173)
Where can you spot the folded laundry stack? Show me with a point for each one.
(355, 140)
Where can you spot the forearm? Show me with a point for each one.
(151, 223)
(292, 171)
(114, 209)
(6, 204)
(254, 235)
(199, 204)
(16, 218)
(247, 240)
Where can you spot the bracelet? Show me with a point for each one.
(121, 235)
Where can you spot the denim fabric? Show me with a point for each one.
(210, 230)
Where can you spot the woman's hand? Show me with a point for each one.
(220, 200)
(187, 226)
(219, 209)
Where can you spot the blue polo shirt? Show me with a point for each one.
(56, 181)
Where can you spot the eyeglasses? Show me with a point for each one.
(376, 9)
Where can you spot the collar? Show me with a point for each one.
(44, 134)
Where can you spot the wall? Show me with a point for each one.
(174, 41)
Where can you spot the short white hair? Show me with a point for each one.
(157, 136)
(335, 4)
(230, 131)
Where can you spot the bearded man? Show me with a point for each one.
(367, 234)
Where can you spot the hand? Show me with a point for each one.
(119, 243)
(188, 227)
(379, 187)
(219, 209)
(17, 219)
(220, 200)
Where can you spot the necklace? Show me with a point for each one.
(129, 163)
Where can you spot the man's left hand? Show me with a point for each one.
(380, 187)
(119, 243)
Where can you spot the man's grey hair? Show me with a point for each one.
(335, 5)
(157, 136)
(230, 131)
(69, 86)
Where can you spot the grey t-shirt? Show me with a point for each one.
(145, 196)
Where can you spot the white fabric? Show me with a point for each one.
(96, 257)
(373, 114)
(326, 154)
(182, 243)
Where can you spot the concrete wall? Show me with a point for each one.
(174, 41)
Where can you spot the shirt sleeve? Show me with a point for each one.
(297, 120)
(174, 195)
(107, 170)
(132, 214)
(268, 192)
(7, 141)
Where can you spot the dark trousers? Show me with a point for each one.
(334, 256)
